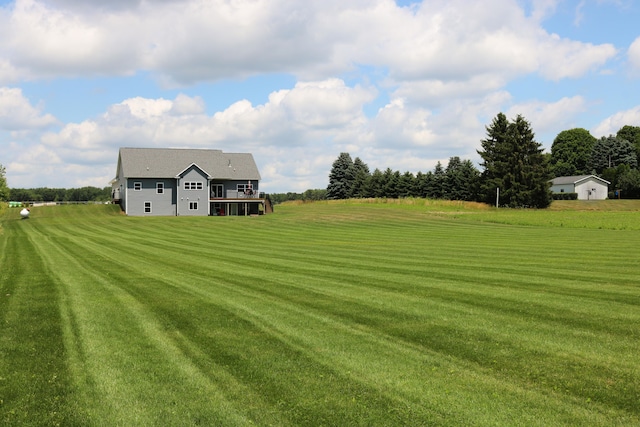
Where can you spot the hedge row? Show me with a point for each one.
(565, 196)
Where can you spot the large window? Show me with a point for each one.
(217, 191)
(160, 187)
(147, 207)
(137, 186)
(245, 188)
(193, 185)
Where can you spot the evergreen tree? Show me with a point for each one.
(513, 162)
(610, 152)
(436, 183)
(631, 134)
(4, 189)
(341, 178)
(406, 184)
(376, 184)
(391, 181)
(419, 185)
(461, 179)
(361, 180)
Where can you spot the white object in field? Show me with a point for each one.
(24, 213)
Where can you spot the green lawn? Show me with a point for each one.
(366, 313)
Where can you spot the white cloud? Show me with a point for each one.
(17, 113)
(549, 116)
(612, 124)
(191, 41)
(634, 54)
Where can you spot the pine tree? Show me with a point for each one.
(514, 162)
(4, 189)
(341, 177)
(361, 179)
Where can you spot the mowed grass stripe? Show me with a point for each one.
(367, 338)
(35, 383)
(126, 368)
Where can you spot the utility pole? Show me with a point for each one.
(497, 197)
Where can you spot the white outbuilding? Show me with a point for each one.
(588, 187)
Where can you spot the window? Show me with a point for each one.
(137, 186)
(193, 185)
(245, 188)
(217, 191)
(147, 207)
(160, 187)
(193, 206)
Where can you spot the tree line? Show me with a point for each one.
(44, 194)
(512, 160)
(515, 170)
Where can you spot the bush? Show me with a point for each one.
(565, 196)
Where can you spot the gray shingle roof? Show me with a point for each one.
(562, 180)
(169, 162)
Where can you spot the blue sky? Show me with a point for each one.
(401, 84)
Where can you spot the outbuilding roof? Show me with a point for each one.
(576, 179)
(170, 162)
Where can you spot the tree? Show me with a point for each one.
(461, 179)
(631, 134)
(406, 184)
(435, 186)
(629, 183)
(361, 179)
(341, 177)
(571, 152)
(4, 189)
(610, 152)
(514, 162)
(391, 182)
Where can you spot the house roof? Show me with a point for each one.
(170, 162)
(563, 180)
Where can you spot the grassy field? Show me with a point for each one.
(375, 313)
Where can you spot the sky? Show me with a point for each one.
(400, 84)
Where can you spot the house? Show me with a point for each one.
(196, 182)
(588, 187)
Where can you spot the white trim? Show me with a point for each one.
(194, 164)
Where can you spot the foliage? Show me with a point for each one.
(308, 195)
(628, 183)
(571, 152)
(610, 152)
(361, 178)
(60, 194)
(4, 189)
(461, 180)
(514, 162)
(341, 177)
(565, 196)
(631, 134)
(357, 314)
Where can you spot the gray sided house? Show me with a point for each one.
(171, 182)
(588, 187)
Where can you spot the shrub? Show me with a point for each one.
(565, 196)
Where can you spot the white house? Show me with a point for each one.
(588, 187)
